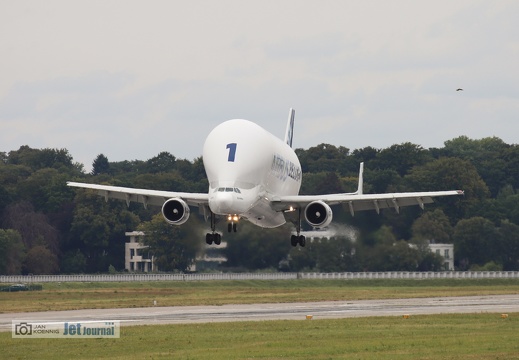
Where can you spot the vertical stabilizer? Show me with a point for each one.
(360, 187)
(290, 127)
(361, 179)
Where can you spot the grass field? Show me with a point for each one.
(467, 336)
(72, 296)
(471, 336)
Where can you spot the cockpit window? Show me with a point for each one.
(227, 189)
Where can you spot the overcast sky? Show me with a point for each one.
(130, 79)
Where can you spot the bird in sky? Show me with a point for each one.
(460, 89)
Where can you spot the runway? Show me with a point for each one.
(285, 311)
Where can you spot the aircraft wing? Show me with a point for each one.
(143, 196)
(361, 202)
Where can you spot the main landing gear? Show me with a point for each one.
(213, 236)
(298, 239)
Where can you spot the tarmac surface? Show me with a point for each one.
(157, 315)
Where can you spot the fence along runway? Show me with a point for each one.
(261, 276)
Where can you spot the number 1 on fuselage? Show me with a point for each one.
(232, 151)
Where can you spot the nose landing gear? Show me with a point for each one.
(232, 220)
(213, 236)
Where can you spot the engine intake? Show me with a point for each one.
(318, 214)
(175, 211)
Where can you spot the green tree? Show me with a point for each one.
(98, 229)
(429, 261)
(11, 176)
(174, 247)
(321, 183)
(335, 254)
(303, 259)
(486, 154)
(163, 162)
(46, 190)
(255, 248)
(383, 235)
(381, 181)
(433, 226)
(398, 256)
(511, 163)
(367, 155)
(449, 174)
(170, 181)
(100, 165)
(402, 158)
(34, 227)
(476, 241)
(74, 262)
(36, 159)
(509, 249)
(41, 260)
(326, 158)
(505, 206)
(12, 252)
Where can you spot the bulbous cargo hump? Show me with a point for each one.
(239, 153)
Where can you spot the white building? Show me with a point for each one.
(447, 252)
(136, 255)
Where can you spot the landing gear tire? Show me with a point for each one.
(302, 241)
(298, 240)
(217, 239)
(211, 238)
(231, 227)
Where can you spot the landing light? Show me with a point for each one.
(233, 218)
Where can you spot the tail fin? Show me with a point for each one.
(361, 179)
(360, 188)
(290, 127)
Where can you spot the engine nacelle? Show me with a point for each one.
(175, 211)
(318, 214)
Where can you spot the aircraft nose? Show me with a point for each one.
(222, 203)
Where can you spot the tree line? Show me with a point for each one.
(47, 227)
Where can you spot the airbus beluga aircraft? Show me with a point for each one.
(255, 176)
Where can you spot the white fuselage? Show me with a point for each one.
(246, 166)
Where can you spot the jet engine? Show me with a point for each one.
(318, 214)
(175, 211)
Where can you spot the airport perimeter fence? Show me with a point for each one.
(27, 279)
